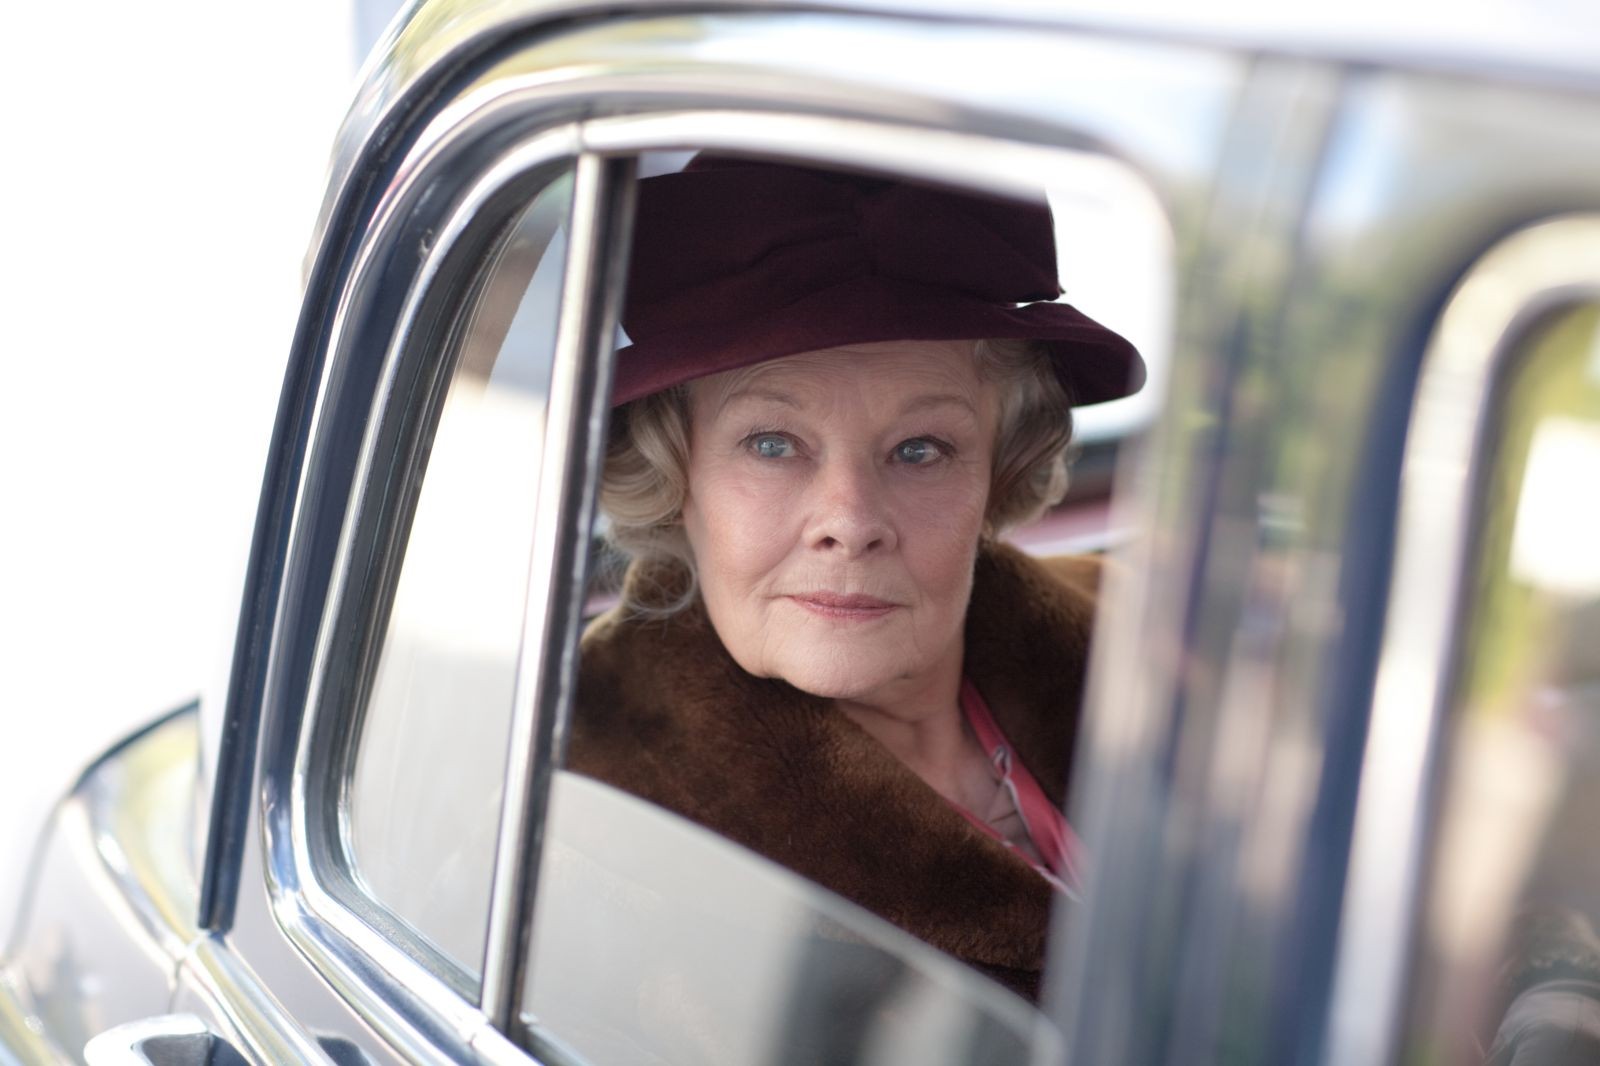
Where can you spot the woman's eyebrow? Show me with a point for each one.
(915, 405)
(943, 399)
(758, 395)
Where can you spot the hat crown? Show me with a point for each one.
(725, 240)
(737, 262)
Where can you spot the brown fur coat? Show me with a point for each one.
(665, 713)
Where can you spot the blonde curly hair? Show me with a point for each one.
(646, 476)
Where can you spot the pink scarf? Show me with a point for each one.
(1058, 846)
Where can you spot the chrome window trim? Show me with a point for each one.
(991, 164)
(420, 49)
(414, 1009)
(531, 154)
(568, 485)
(259, 1023)
(1448, 438)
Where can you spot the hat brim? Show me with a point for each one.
(1094, 363)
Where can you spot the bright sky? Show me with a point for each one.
(164, 167)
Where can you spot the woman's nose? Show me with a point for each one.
(849, 510)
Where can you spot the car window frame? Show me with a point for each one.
(412, 1006)
(417, 376)
(971, 162)
(606, 150)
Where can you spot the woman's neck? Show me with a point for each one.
(921, 724)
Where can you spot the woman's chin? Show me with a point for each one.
(857, 677)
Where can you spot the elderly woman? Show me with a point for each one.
(837, 395)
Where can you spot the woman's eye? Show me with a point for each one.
(772, 446)
(918, 451)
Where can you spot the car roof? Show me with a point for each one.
(1507, 38)
(1545, 41)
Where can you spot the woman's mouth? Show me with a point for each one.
(844, 608)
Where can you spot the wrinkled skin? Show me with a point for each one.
(835, 503)
(836, 500)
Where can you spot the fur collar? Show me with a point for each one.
(665, 713)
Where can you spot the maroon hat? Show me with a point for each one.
(738, 262)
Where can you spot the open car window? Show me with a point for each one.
(655, 938)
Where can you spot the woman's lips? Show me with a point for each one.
(844, 608)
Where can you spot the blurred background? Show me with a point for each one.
(164, 169)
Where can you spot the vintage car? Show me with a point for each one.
(1343, 727)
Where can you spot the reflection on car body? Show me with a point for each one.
(1339, 741)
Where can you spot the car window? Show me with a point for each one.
(1514, 889)
(427, 760)
(656, 937)
(657, 941)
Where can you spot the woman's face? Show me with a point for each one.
(834, 508)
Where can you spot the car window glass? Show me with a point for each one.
(1514, 894)
(658, 940)
(438, 708)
